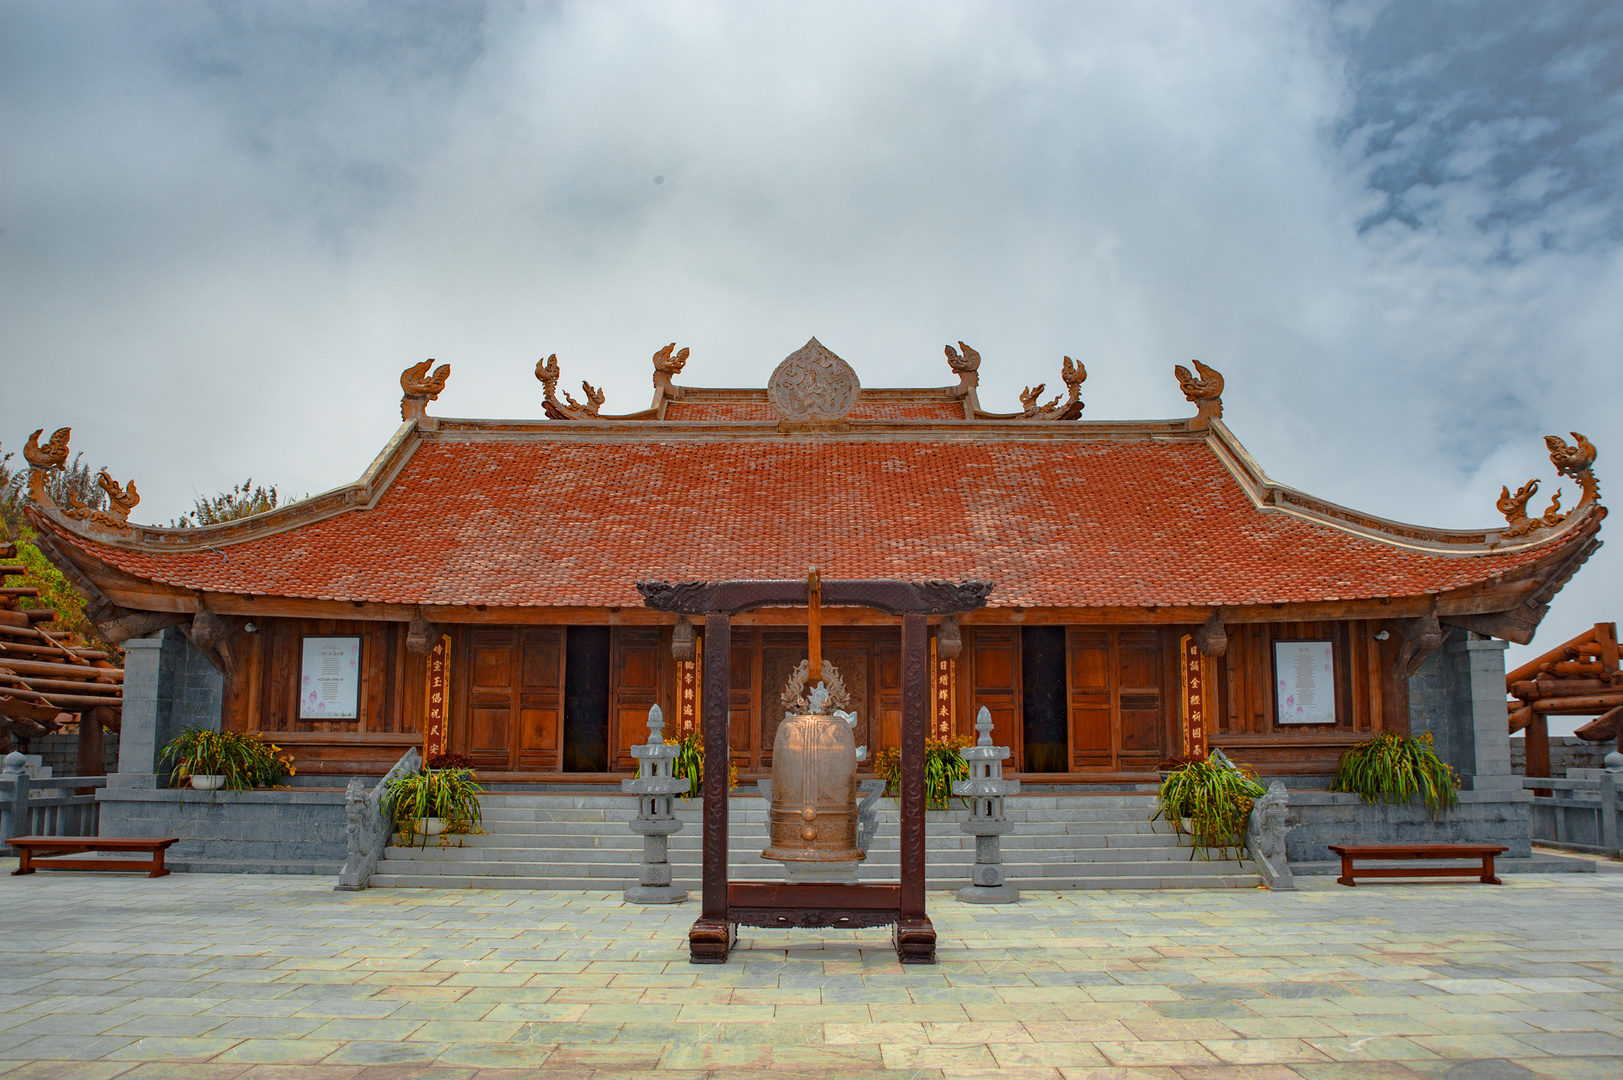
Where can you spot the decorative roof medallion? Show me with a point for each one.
(813, 386)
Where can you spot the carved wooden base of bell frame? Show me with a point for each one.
(915, 940)
(710, 940)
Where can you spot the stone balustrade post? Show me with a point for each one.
(985, 789)
(17, 817)
(656, 788)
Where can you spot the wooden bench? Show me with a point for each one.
(1350, 853)
(31, 847)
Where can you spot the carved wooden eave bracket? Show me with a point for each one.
(1573, 461)
(1212, 638)
(212, 635)
(44, 460)
(418, 388)
(1206, 391)
(421, 635)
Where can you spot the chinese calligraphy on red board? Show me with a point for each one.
(1195, 697)
(438, 700)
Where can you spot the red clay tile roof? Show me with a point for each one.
(1053, 523)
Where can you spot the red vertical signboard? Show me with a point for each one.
(437, 700)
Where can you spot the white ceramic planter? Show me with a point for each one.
(207, 783)
(430, 826)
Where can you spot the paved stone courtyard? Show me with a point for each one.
(194, 976)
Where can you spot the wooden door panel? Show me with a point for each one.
(994, 684)
(491, 692)
(636, 689)
(540, 708)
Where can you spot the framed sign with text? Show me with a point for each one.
(330, 679)
(1304, 682)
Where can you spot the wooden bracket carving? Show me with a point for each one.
(1212, 639)
(1206, 392)
(949, 639)
(419, 388)
(211, 634)
(1421, 638)
(683, 648)
(1574, 461)
(421, 635)
(667, 365)
(43, 460)
(966, 366)
(570, 409)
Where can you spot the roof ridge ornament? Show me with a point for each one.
(44, 460)
(1206, 392)
(966, 366)
(666, 366)
(1074, 374)
(569, 409)
(813, 386)
(1573, 461)
(419, 388)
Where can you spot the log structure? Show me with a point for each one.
(46, 682)
(1157, 592)
(1578, 678)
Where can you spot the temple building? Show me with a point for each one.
(475, 591)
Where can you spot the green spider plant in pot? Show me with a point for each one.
(1209, 799)
(1395, 768)
(436, 802)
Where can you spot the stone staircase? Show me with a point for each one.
(554, 840)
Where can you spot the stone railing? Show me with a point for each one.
(1265, 838)
(1581, 813)
(56, 806)
(369, 822)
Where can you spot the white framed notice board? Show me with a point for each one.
(1304, 682)
(330, 679)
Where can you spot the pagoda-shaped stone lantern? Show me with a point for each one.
(985, 790)
(656, 788)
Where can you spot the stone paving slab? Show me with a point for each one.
(251, 977)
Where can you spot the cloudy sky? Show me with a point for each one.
(1397, 228)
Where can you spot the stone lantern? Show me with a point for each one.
(656, 788)
(985, 789)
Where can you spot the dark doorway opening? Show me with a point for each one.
(1042, 680)
(586, 699)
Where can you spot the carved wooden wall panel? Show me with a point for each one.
(540, 699)
(1092, 744)
(994, 682)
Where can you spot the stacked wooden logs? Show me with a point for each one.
(46, 682)
(1579, 678)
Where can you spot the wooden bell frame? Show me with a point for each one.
(727, 904)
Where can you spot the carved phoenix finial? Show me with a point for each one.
(1573, 461)
(668, 362)
(1206, 392)
(966, 366)
(417, 381)
(419, 388)
(52, 454)
(594, 399)
(121, 499)
(667, 365)
(1028, 401)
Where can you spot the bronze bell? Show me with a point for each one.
(814, 789)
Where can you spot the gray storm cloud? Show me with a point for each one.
(1394, 227)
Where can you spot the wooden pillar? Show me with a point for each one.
(712, 935)
(89, 763)
(915, 936)
(1538, 750)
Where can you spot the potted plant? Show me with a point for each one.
(689, 765)
(942, 765)
(1209, 799)
(1395, 768)
(437, 802)
(234, 760)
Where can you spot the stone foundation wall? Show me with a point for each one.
(1566, 752)
(273, 831)
(1319, 818)
(61, 753)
